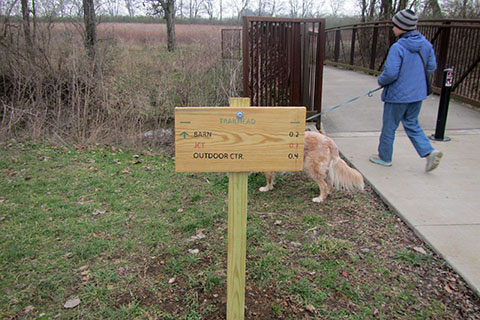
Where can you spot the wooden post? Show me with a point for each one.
(237, 235)
(238, 139)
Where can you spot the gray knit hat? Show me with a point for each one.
(405, 19)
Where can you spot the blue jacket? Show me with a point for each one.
(404, 77)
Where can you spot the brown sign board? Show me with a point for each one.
(232, 139)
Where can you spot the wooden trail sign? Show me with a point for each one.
(238, 139)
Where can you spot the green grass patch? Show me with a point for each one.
(121, 231)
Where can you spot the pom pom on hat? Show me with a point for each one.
(405, 19)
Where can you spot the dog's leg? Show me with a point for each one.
(324, 189)
(270, 177)
(318, 171)
(320, 176)
(329, 183)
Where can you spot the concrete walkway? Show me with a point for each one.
(443, 206)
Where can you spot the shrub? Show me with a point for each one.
(52, 89)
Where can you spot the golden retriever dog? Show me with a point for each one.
(322, 163)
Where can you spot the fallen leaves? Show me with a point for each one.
(85, 276)
(97, 212)
(72, 303)
(420, 250)
(448, 288)
(198, 236)
(84, 273)
(311, 308)
(28, 309)
(194, 251)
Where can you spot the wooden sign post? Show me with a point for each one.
(238, 139)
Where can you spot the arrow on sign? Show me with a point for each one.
(184, 134)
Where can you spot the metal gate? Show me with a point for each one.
(283, 62)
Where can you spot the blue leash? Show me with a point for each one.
(369, 93)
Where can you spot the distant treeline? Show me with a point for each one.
(331, 21)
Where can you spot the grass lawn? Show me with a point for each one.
(97, 232)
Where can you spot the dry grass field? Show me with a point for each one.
(156, 34)
(132, 87)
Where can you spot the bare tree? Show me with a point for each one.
(179, 9)
(294, 6)
(473, 10)
(9, 8)
(307, 8)
(432, 9)
(240, 6)
(337, 6)
(402, 4)
(90, 28)
(261, 6)
(302, 8)
(61, 8)
(320, 8)
(194, 8)
(208, 6)
(372, 10)
(132, 6)
(386, 11)
(26, 23)
(166, 8)
(462, 8)
(363, 10)
(269, 8)
(220, 7)
(275, 7)
(75, 8)
(112, 7)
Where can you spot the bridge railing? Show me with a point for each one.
(456, 43)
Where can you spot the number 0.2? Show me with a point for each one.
(294, 134)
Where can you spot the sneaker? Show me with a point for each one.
(433, 160)
(376, 159)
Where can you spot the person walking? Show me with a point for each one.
(405, 87)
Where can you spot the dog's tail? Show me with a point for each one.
(344, 177)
